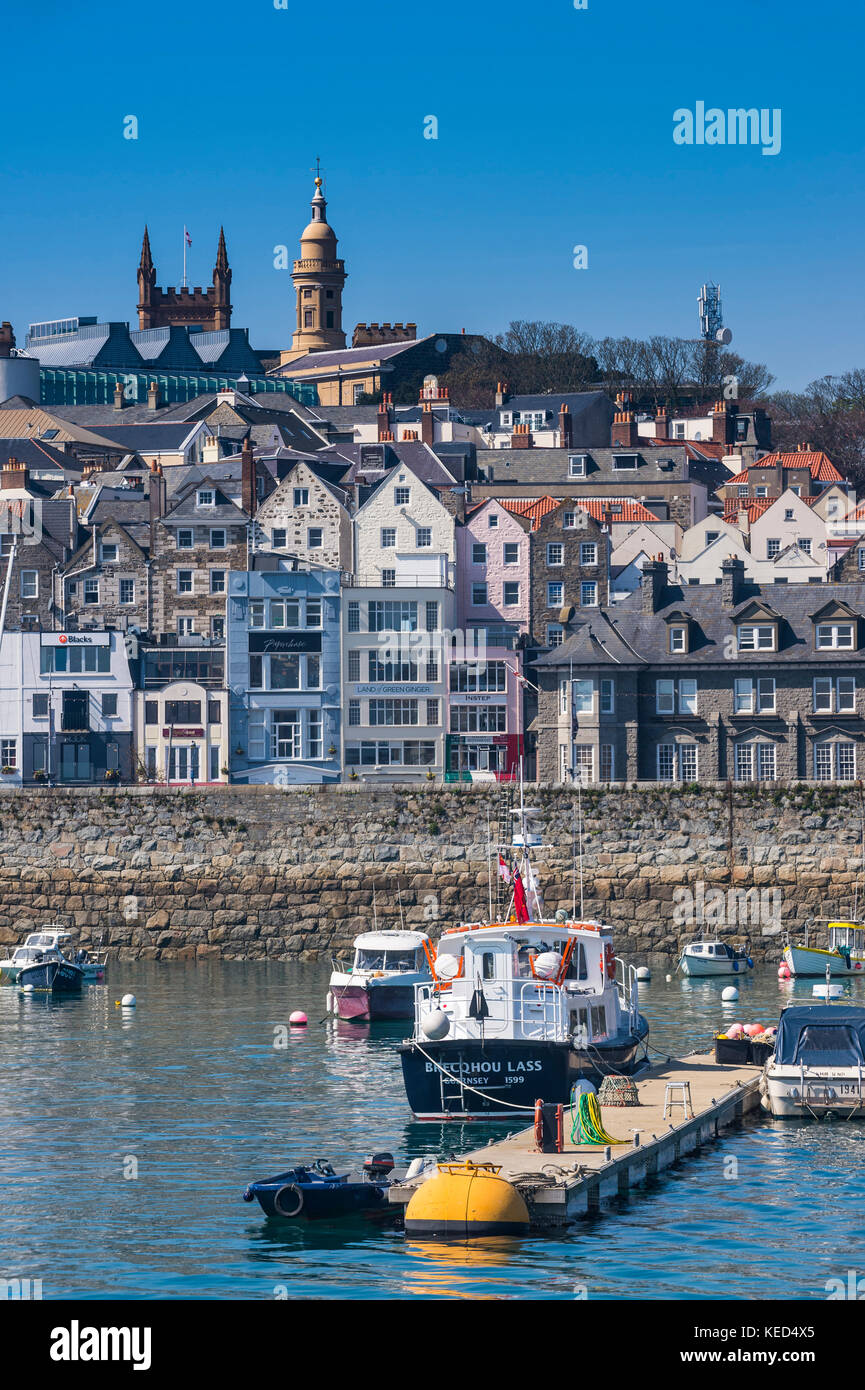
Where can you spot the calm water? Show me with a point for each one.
(190, 1087)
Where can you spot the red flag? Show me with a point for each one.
(504, 871)
(520, 906)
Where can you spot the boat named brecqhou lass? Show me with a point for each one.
(520, 1009)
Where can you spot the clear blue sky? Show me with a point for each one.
(555, 129)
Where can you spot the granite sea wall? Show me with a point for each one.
(249, 873)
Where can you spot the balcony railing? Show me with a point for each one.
(375, 581)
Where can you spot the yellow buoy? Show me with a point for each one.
(467, 1199)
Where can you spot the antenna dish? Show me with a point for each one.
(723, 335)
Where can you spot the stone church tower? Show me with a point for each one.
(318, 280)
(168, 308)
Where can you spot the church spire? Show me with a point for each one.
(221, 254)
(146, 258)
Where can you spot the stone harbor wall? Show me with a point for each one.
(255, 872)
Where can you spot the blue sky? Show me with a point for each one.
(554, 129)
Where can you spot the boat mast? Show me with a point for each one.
(489, 867)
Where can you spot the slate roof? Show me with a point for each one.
(546, 467)
(576, 401)
(37, 454)
(223, 510)
(423, 462)
(349, 357)
(149, 438)
(625, 635)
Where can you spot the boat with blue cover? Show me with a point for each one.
(317, 1190)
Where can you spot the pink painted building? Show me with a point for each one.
(485, 711)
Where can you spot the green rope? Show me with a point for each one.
(587, 1126)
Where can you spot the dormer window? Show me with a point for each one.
(205, 497)
(623, 462)
(678, 638)
(109, 554)
(835, 637)
(506, 417)
(576, 465)
(756, 637)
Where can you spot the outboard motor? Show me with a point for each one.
(378, 1165)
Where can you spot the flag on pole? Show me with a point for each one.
(535, 899)
(504, 871)
(520, 908)
(188, 237)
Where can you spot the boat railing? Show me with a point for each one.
(546, 998)
(629, 990)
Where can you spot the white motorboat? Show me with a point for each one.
(520, 1008)
(817, 1066)
(380, 982)
(844, 955)
(54, 942)
(702, 958)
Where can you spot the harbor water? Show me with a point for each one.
(128, 1135)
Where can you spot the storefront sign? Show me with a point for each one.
(405, 689)
(76, 639)
(480, 698)
(285, 642)
(182, 733)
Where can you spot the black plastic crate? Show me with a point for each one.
(733, 1051)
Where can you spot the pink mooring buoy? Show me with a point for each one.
(783, 972)
(298, 1019)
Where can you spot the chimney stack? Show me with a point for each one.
(385, 415)
(157, 502)
(723, 422)
(501, 393)
(153, 396)
(653, 585)
(662, 424)
(566, 427)
(624, 433)
(427, 424)
(247, 478)
(522, 437)
(732, 582)
(118, 397)
(14, 475)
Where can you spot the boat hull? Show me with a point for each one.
(790, 1096)
(287, 1198)
(53, 977)
(508, 1073)
(698, 968)
(810, 960)
(372, 1000)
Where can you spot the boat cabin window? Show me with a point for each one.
(400, 960)
(577, 966)
(488, 965)
(385, 960)
(369, 960)
(599, 1021)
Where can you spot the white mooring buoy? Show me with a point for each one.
(128, 1001)
(643, 972)
(730, 994)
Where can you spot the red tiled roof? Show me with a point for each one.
(533, 509)
(754, 506)
(821, 467)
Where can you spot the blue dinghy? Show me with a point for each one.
(316, 1190)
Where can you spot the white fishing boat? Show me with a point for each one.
(520, 1007)
(54, 943)
(380, 982)
(702, 958)
(843, 956)
(817, 1066)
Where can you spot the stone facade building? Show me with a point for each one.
(194, 546)
(570, 568)
(105, 583)
(709, 683)
(308, 518)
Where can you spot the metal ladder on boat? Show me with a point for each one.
(451, 1090)
(504, 836)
